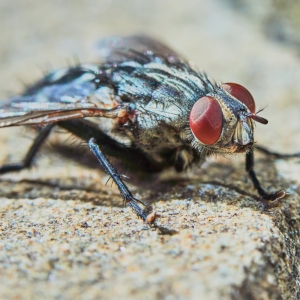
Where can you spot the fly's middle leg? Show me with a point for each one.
(27, 161)
(138, 206)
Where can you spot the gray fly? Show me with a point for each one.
(142, 103)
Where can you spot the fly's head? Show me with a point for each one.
(222, 121)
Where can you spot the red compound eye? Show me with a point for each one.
(240, 93)
(206, 120)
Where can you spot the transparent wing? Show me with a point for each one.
(89, 90)
(141, 49)
(57, 102)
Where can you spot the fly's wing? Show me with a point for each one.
(74, 92)
(62, 95)
(141, 49)
(136, 69)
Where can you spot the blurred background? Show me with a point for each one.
(254, 43)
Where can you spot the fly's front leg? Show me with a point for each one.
(134, 203)
(265, 196)
(277, 154)
(27, 161)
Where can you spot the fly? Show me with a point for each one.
(143, 103)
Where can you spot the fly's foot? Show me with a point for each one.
(134, 204)
(147, 214)
(152, 217)
(274, 199)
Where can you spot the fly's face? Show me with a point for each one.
(222, 121)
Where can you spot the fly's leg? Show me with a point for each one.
(27, 161)
(265, 196)
(86, 130)
(276, 154)
(134, 203)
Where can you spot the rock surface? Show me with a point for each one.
(65, 235)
